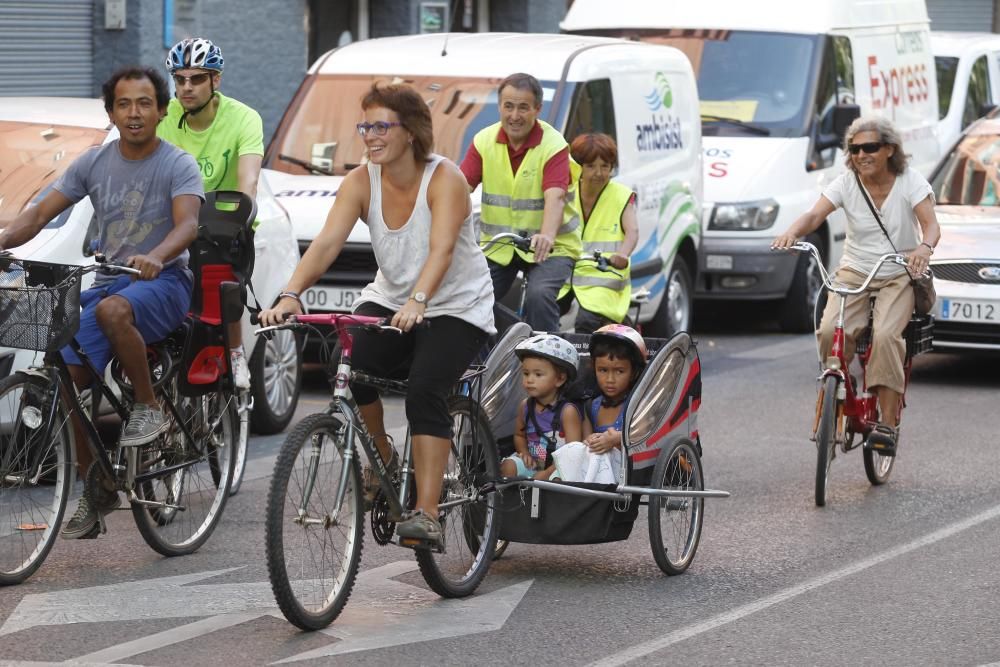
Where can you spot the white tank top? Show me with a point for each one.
(466, 291)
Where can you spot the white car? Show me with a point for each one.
(968, 77)
(39, 138)
(966, 263)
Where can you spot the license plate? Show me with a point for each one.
(970, 310)
(336, 299)
(719, 262)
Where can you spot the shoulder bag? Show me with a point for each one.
(924, 294)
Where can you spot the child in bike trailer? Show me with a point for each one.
(545, 420)
(618, 354)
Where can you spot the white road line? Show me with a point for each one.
(646, 648)
(166, 638)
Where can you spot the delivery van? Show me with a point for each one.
(968, 76)
(779, 82)
(643, 95)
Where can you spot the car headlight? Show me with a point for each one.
(744, 216)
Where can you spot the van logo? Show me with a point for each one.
(990, 273)
(661, 97)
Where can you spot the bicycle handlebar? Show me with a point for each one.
(336, 320)
(523, 243)
(805, 246)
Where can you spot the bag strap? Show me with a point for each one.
(878, 219)
(550, 443)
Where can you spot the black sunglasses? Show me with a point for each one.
(870, 147)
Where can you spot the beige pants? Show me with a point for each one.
(893, 307)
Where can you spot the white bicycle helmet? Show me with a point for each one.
(549, 346)
(197, 53)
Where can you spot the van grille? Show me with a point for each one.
(355, 265)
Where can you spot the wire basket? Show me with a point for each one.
(39, 304)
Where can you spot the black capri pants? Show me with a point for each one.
(430, 357)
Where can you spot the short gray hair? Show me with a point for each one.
(887, 134)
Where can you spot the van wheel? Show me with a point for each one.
(275, 381)
(797, 311)
(674, 313)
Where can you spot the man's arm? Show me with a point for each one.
(248, 173)
(555, 183)
(26, 226)
(185, 215)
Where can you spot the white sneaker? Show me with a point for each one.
(241, 372)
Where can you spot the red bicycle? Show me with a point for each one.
(842, 411)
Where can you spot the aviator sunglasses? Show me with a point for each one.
(195, 79)
(870, 147)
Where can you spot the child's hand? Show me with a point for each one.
(601, 443)
(529, 461)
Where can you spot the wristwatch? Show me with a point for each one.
(419, 297)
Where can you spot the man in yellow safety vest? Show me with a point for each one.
(524, 166)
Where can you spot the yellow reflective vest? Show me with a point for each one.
(599, 291)
(515, 202)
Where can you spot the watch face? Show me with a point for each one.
(420, 297)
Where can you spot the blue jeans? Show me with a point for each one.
(541, 310)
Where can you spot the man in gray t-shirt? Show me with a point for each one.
(146, 195)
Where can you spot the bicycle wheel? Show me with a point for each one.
(675, 523)
(242, 426)
(826, 435)
(35, 475)
(185, 483)
(314, 547)
(469, 528)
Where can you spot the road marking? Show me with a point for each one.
(646, 648)
(783, 348)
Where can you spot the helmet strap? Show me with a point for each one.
(184, 116)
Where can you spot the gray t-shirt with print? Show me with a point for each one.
(133, 199)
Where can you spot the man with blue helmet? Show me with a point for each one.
(225, 136)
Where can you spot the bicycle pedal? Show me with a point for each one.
(416, 543)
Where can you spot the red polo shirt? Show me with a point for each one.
(555, 174)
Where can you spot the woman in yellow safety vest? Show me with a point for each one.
(607, 210)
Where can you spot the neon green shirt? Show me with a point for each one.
(237, 130)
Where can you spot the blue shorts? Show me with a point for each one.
(158, 307)
(522, 469)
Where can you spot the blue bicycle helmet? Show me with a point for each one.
(197, 53)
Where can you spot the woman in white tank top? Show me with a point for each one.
(419, 217)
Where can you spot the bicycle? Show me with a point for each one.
(842, 412)
(176, 486)
(314, 528)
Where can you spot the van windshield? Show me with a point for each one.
(33, 156)
(759, 79)
(319, 130)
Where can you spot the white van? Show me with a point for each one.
(642, 94)
(778, 81)
(968, 76)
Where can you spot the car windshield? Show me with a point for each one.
(320, 128)
(33, 156)
(760, 79)
(968, 175)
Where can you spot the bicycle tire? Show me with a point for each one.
(201, 487)
(242, 430)
(283, 535)
(877, 467)
(826, 435)
(473, 461)
(676, 468)
(24, 547)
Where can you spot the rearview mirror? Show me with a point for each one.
(322, 155)
(843, 116)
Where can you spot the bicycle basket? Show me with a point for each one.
(39, 304)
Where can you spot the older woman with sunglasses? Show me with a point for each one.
(419, 216)
(876, 165)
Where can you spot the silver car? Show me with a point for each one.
(40, 137)
(966, 263)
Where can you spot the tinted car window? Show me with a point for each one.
(968, 175)
(946, 68)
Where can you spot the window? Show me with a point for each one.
(978, 94)
(834, 86)
(946, 69)
(593, 110)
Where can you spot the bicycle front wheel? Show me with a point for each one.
(468, 520)
(35, 474)
(182, 484)
(313, 543)
(826, 436)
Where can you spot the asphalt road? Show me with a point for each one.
(898, 575)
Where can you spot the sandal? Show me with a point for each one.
(369, 479)
(883, 439)
(420, 526)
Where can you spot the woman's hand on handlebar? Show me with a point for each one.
(409, 316)
(278, 313)
(784, 241)
(918, 259)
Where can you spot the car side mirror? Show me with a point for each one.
(843, 116)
